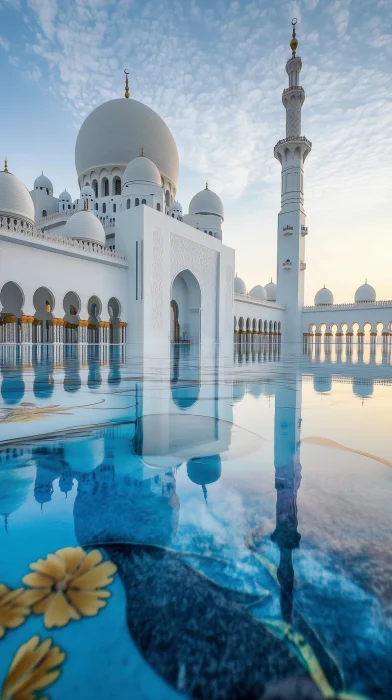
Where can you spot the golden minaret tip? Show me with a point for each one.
(294, 40)
(206, 185)
(126, 71)
(6, 165)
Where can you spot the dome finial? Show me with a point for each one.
(142, 151)
(207, 185)
(6, 165)
(126, 71)
(294, 40)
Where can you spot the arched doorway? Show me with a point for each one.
(43, 301)
(185, 309)
(114, 313)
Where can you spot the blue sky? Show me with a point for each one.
(215, 72)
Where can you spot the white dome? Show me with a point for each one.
(258, 291)
(65, 197)
(206, 202)
(175, 208)
(270, 289)
(15, 198)
(324, 297)
(239, 285)
(114, 133)
(43, 181)
(365, 294)
(142, 169)
(84, 226)
(87, 191)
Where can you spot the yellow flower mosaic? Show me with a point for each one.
(68, 585)
(33, 668)
(13, 608)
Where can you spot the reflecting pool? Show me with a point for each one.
(197, 525)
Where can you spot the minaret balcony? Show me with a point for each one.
(290, 144)
(302, 266)
(287, 265)
(288, 230)
(304, 230)
(292, 88)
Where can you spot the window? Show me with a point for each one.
(117, 186)
(104, 208)
(137, 202)
(173, 216)
(63, 207)
(47, 191)
(96, 206)
(144, 201)
(44, 213)
(128, 203)
(114, 208)
(158, 207)
(69, 206)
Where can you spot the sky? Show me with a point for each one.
(215, 72)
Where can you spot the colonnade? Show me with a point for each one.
(28, 329)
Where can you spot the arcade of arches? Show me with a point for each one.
(249, 330)
(71, 324)
(348, 331)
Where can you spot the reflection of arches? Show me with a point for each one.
(185, 384)
(187, 295)
(175, 327)
(12, 299)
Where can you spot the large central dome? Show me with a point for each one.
(114, 133)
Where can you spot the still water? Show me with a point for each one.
(197, 525)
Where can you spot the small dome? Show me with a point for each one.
(239, 285)
(15, 198)
(258, 291)
(270, 289)
(142, 169)
(87, 191)
(365, 294)
(44, 182)
(324, 297)
(206, 202)
(175, 208)
(84, 226)
(65, 197)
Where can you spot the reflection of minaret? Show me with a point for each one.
(287, 481)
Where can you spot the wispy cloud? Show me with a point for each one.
(4, 44)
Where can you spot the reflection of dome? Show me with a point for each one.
(365, 294)
(239, 285)
(15, 482)
(114, 133)
(324, 297)
(322, 385)
(206, 202)
(258, 291)
(363, 389)
(42, 183)
(142, 169)
(238, 392)
(84, 226)
(15, 199)
(204, 470)
(270, 288)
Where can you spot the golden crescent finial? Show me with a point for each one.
(6, 165)
(142, 151)
(294, 40)
(126, 71)
(206, 185)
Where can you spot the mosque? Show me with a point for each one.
(123, 263)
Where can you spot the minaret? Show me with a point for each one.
(291, 153)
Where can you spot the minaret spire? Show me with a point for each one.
(291, 153)
(126, 71)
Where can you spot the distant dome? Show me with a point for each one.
(270, 288)
(258, 291)
(87, 191)
(65, 197)
(142, 169)
(44, 182)
(206, 202)
(324, 297)
(114, 133)
(175, 208)
(84, 226)
(15, 199)
(239, 285)
(365, 294)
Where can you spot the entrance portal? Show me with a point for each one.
(185, 309)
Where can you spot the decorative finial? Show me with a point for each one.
(142, 151)
(206, 185)
(85, 205)
(294, 40)
(126, 71)
(6, 165)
